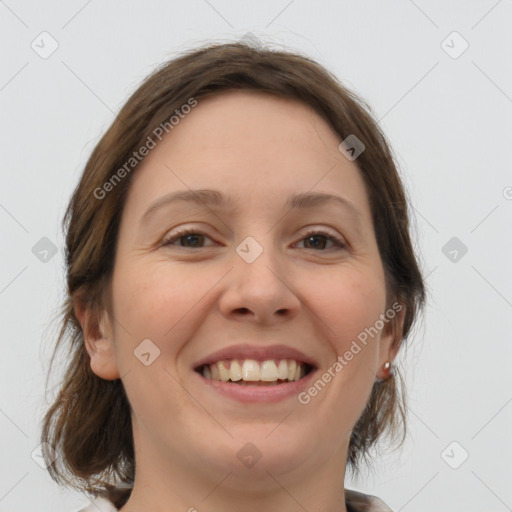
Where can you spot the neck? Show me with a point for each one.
(164, 485)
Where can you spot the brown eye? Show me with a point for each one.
(189, 239)
(323, 238)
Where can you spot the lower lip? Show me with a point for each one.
(272, 393)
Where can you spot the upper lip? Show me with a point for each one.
(256, 352)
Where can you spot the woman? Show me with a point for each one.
(240, 280)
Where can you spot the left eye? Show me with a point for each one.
(326, 236)
(196, 237)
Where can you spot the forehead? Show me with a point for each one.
(256, 147)
(253, 117)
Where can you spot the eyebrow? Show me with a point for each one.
(216, 199)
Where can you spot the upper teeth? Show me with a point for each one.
(251, 370)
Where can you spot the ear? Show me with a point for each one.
(98, 338)
(391, 337)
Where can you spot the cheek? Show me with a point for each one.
(156, 301)
(348, 302)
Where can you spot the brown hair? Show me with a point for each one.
(89, 422)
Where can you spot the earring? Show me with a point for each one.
(386, 367)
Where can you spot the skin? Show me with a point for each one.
(191, 301)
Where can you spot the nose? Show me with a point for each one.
(260, 291)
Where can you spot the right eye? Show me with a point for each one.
(192, 236)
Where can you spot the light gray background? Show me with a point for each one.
(449, 121)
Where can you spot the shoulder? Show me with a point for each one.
(99, 504)
(359, 502)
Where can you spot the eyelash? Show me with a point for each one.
(184, 232)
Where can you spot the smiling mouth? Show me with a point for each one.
(250, 372)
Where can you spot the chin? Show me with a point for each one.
(257, 450)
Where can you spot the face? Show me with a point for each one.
(256, 271)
